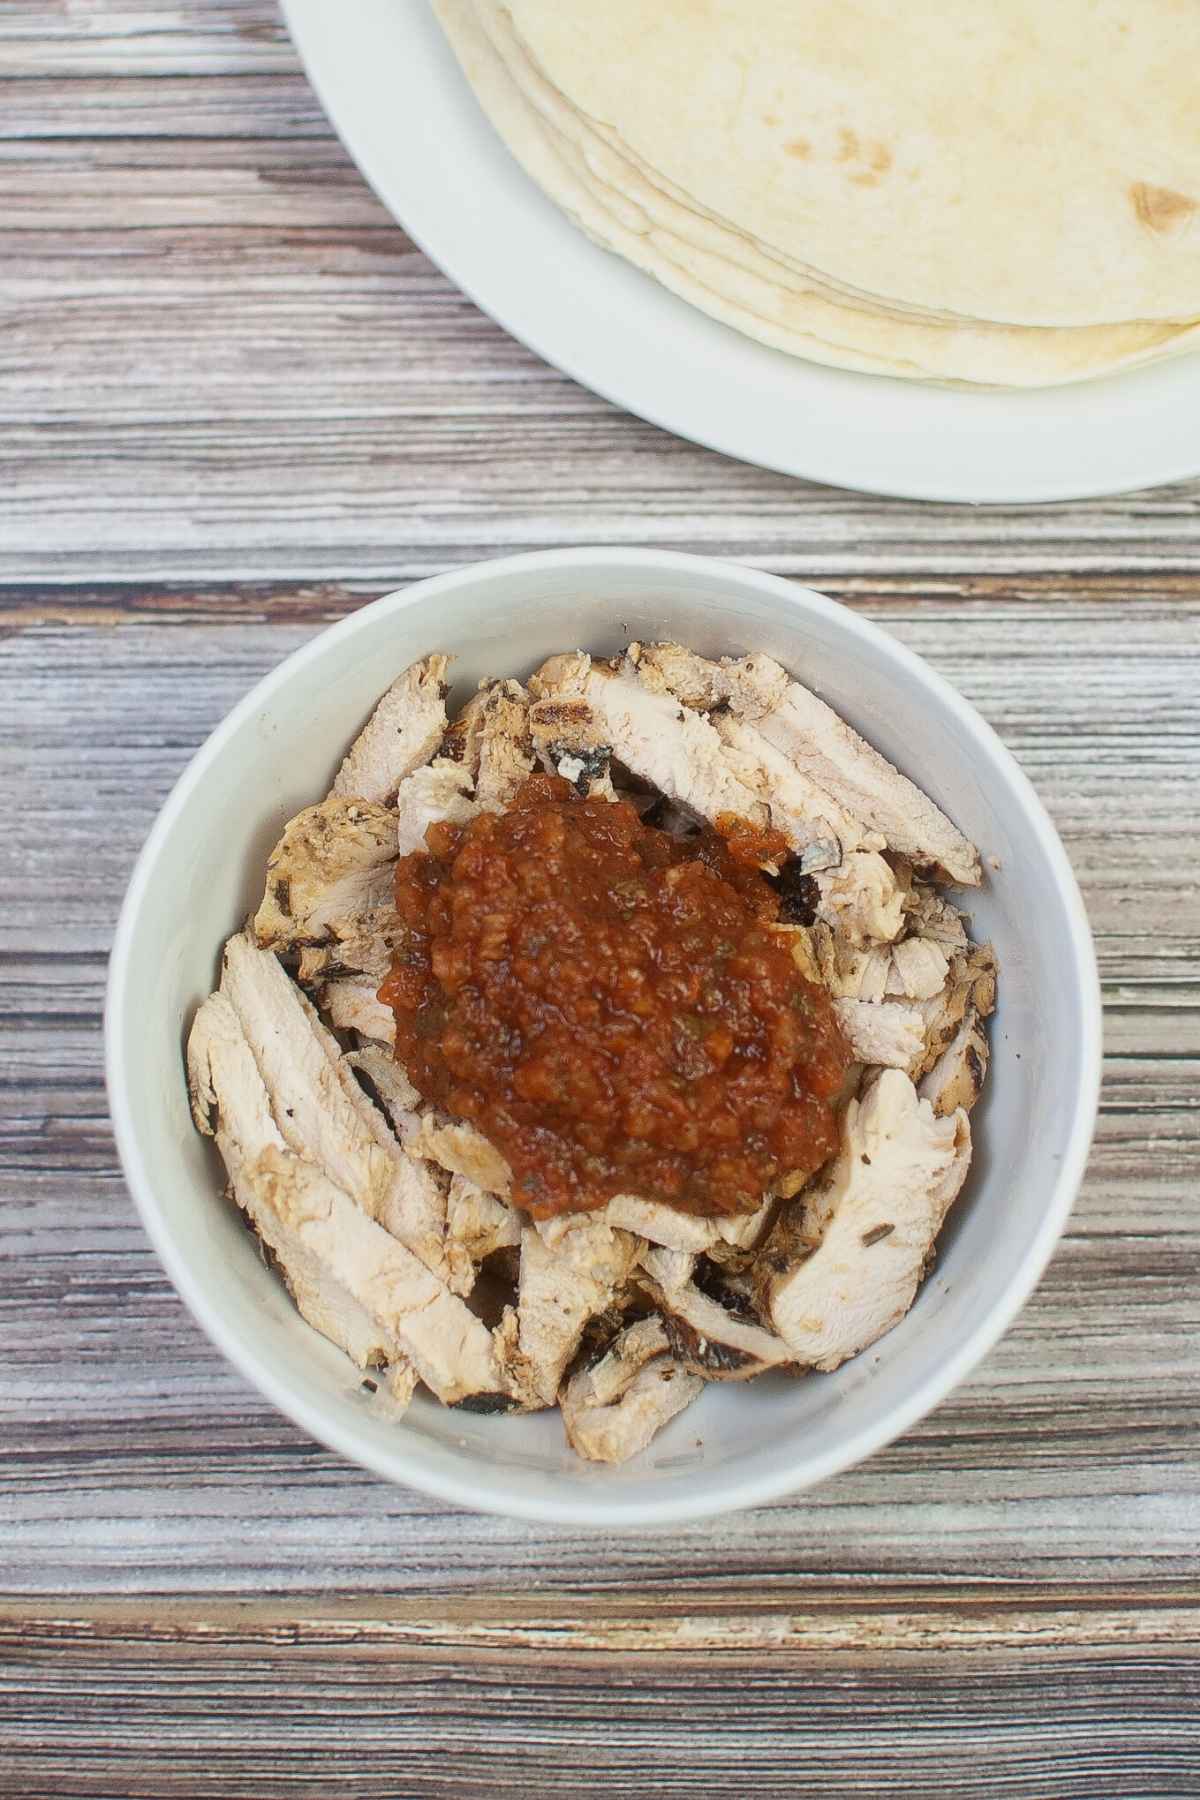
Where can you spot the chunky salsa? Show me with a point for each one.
(609, 1006)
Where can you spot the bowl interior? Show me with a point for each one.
(202, 873)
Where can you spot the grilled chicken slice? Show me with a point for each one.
(819, 830)
(360, 940)
(461, 1150)
(559, 1290)
(970, 986)
(850, 973)
(330, 878)
(403, 732)
(931, 917)
(497, 743)
(686, 1232)
(352, 1005)
(486, 755)
(861, 900)
(669, 1269)
(914, 968)
(715, 1330)
(883, 1033)
(736, 682)
(822, 747)
(918, 969)
(815, 823)
(449, 1348)
(480, 1223)
(912, 1034)
(320, 1108)
(614, 1405)
(231, 1104)
(440, 790)
(586, 708)
(956, 1078)
(348, 1276)
(843, 1266)
(329, 889)
(676, 1231)
(479, 1220)
(828, 750)
(386, 1081)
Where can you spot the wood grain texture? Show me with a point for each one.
(235, 402)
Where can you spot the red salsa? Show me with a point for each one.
(608, 1005)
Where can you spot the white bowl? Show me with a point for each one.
(201, 872)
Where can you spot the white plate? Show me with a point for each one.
(395, 93)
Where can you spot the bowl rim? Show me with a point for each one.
(588, 1510)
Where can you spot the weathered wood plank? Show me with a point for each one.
(243, 104)
(70, 38)
(761, 1702)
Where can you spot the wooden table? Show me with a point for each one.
(237, 403)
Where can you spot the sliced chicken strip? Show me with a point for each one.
(956, 1078)
(558, 1292)
(389, 1084)
(970, 985)
(402, 1380)
(811, 818)
(607, 1375)
(663, 1225)
(329, 889)
(821, 746)
(931, 917)
(492, 755)
(684, 1232)
(717, 1335)
(586, 707)
(612, 1408)
(704, 684)
(918, 969)
(674, 1230)
(355, 1006)
(480, 1223)
(477, 1222)
(844, 1266)
(669, 1269)
(439, 791)
(231, 1104)
(860, 900)
(743, 1230)
(461, 1150)
(503, 746)
(816, 826)
(450, 1349)
(828, 750)
(350, 1278)
(882, 1032)
(320, 1109)
(403, 732)
(861, 974)
(810, 948)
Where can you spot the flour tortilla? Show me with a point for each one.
(1031, 162)
(723, 274)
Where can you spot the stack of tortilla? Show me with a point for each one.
(1005, 193)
